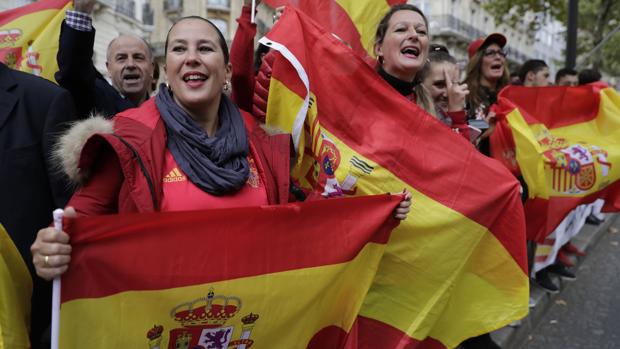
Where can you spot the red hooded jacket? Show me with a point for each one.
(122, 164)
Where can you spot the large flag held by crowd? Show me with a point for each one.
(15, 292)
(353, 21)
(456, 267)
(564, 142)
(290, 276)
(29, 37)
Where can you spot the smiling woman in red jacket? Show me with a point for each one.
(189, 148)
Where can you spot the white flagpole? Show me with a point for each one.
(253, 11)
(58, 213)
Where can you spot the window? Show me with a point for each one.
(147, 14)
(126, 7)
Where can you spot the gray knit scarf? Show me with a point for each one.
(218, 164)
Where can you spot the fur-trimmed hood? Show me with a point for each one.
(68, 149)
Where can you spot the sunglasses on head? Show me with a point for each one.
(438, 48)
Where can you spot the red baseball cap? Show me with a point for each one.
(495, 38)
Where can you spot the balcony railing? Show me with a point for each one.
(173, 5)
(453, 24)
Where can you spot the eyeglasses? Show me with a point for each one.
(438, 48)
(490, 53)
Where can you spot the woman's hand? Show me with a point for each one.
(456, 92)
(492, 121)
(51, 252)
(403, 208)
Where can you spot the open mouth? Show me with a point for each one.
(410, 51)
(193, 76)
(131, 77)
(497, 66)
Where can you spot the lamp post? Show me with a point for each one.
(571, 34)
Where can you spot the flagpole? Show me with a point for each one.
(253, 10)
(58, 213)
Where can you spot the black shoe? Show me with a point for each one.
(592, 219)
(483, 341)
(562, 271)
(544, 281)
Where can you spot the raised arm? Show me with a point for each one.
(77, 72)
(242, 59)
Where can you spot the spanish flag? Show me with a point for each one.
(290, 276)
(15, 293)
(565, 142)
(456, 268)
(352, 21)
(29, 37)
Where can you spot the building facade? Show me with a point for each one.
(455, 23)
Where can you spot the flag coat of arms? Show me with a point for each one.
(564, 141)
(456, 267)
(289, 276)
(29, 37)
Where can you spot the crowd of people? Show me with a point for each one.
(202, 126)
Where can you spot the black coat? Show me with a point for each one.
(33, 112)
(77, 74)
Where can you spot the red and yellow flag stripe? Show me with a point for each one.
(456, 267)
(565, 143)
(266, 277)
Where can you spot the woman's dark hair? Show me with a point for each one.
(477, 94)
(261, 50)
(221, 39)
(438, 48)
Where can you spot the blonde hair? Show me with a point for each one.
(423, 98)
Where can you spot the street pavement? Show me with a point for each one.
(587, 312)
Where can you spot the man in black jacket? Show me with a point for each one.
(129, 63)
(33, 111)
